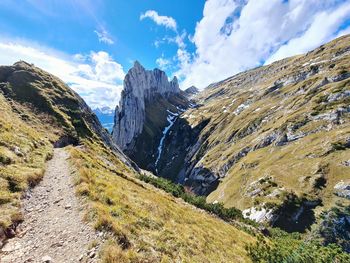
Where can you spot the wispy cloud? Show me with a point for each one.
(95, 76)
(182, 56)
(166, 21)
(104, 36)
(163, 63)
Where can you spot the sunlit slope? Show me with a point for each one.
(271, 131)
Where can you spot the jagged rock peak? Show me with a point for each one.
(137, 64)
(147, 83)
(140, 86)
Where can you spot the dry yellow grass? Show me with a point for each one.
(24, 150)
(294, 166)
(148, 224)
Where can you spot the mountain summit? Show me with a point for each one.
(142, 113)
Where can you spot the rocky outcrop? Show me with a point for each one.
(146, 101)
(140, 86)
(342, 189)
(260, 215)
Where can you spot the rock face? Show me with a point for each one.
(144, 89)
(342, 189)
(140, 86)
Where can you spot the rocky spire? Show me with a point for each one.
(140, 85)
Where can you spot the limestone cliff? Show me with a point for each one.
(147, 97)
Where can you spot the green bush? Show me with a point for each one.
(335, 228)
(175, 189)
(292, 248)
(178, 190)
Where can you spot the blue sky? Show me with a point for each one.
(91, 44)
(69, 25)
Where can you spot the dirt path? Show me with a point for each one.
(53, 230)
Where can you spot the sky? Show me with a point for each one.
(91, 44)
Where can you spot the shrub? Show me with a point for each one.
(178, 190)
(291, 248)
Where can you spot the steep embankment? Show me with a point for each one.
(274, 140)
(137, 222)
(149, 104)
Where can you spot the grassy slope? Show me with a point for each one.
(24, 149)
(144, 224)
(296, 165)
(149, 224)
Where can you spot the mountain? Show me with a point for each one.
(106, 117)
(191, 91)
(148, 106)
(273, 141)
(132, 221)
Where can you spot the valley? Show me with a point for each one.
(254, 168)
(265, 137)
(131, 221)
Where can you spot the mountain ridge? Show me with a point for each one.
(235, 145)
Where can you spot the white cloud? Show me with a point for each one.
(103, 36)
(179, 39)
(163, 63)
(96, 76)
(105, 68)
(234, 36)
(320, 31)
(166, 21)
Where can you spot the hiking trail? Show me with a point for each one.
(53, 229)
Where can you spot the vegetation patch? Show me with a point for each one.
(294, 248)
(24, 151)
(178, 190)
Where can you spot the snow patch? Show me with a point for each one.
(172, 113)
(258, 215)
(171, 118)
(241, 108)
(180, 109)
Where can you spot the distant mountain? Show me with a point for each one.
(191, 91)
(106, 117)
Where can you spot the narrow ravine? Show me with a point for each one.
(53, 229)
(171, 118)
